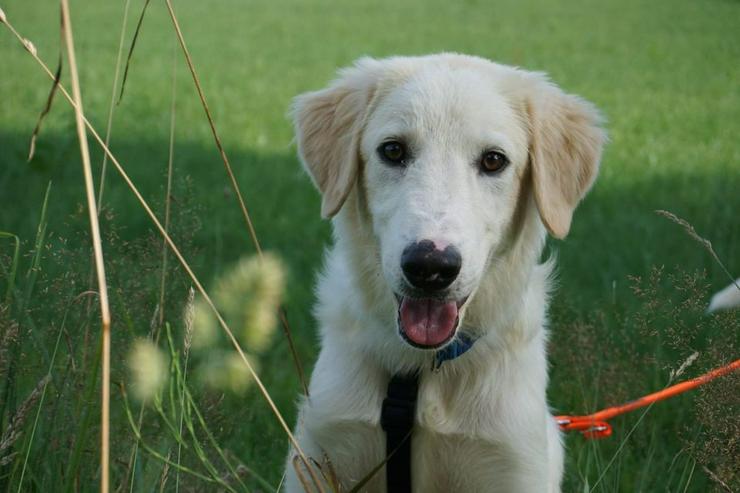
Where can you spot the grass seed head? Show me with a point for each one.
(688, 362)
(248, 296)
(30, 46)
(189, 319)
(148, 366)
(14, 430)
(8, 335)
(205, 332)
(260, 317)
(3, 19)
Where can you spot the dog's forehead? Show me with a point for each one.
(440, 100)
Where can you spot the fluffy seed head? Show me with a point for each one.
(3, 19)
(260, 313)
(205, 332)
(247, 296)
(148, 366)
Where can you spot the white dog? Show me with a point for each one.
(443, 175)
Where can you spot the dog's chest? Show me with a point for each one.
(449, 451)
(441, 463)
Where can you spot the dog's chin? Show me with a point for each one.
(428, 323)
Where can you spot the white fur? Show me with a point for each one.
(483, 423)
(725, 299)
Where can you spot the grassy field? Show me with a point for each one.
(632, 284)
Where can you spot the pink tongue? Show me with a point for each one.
(428, 322)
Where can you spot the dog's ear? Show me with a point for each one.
(328, 126)
(566, 140)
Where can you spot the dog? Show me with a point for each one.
(443, 175)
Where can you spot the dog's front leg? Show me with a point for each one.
(338, 426)
(298, 477)
(555, 456)
(536, 460)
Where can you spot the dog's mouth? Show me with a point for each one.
(428, 323)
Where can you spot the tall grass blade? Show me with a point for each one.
(616, 455)
(112, 105)
(84, 413)
(131, 49)
(189, 316)
(46, 380)
(165, 251)
(168, 192)
(46, 110)
(38, 248)
(691, 476)
(97, 249)
(31, 276)
(151, 451)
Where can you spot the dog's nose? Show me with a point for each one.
(429, 268)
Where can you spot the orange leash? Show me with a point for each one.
(596, 426)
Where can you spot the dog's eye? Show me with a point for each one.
(393, 152)
(493, 161)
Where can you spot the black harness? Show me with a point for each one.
(397, 420)
(398, 413)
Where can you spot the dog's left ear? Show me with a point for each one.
(328, 126)
(566, 140)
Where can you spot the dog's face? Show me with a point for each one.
(443, 147)
(444, 153)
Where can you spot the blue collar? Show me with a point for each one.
(458, 347)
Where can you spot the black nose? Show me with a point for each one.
(428, 268)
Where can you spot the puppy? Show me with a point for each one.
(443, 175)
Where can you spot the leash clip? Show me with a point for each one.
(586, 425)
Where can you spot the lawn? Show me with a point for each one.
(632, 284)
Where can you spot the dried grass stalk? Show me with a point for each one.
(46, 110)
(97, 248)
(701, 240)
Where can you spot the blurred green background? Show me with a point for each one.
(665, 73)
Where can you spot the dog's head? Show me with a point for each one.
(444, 148)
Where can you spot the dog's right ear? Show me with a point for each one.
(328, 126)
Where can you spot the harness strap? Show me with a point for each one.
(399, 412)
(397, 420)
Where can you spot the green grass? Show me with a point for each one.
(664, 72)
